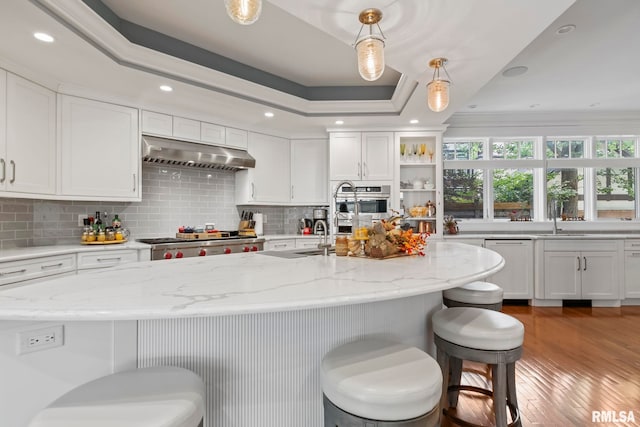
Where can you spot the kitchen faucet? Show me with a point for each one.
(554, 209)
(324, 245)
(356, 207)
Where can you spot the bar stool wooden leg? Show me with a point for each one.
(455, 368)
(500, 394)
(512, 399)
(443, 360)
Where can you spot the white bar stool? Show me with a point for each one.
(485, 336)
(164, 396)
(475, 294)
(377, 383)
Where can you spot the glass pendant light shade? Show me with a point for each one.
(370, 57)
(244, 12)
(438, 95)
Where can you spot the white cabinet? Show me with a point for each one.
(17, 272)
(582, 269)
(88, 261)
(366, 156)
(516, 278)
(632, 269)
(237, 138)
(309, 242)
(212, 134)
(186, 128)
(309, 171)
(279, 244)
(28, 154)
(157, 124)
(99, 150)
(269, 181)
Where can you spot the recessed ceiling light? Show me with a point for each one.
(472, 106)
(339, 122)
(565, 29)
(268, 114)
(166, 88)
(414, 121)
(43, 37)
(515, 71)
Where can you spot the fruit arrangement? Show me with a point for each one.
(385, 239)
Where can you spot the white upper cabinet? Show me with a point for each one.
(186, 128)
(157, 124)
(237, 138)
(269, 181)
(28, 160)
(309, 176)
(99, 150)
(212, 134)
(360, 156)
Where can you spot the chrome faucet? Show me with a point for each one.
(554, 209)
(356, 206)
(324, 245)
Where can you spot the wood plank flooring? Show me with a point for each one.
(576, 360)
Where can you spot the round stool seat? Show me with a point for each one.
(478, 328)
(475, 293)
(149, 397)
(381, 380)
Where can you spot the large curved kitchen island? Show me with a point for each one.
(255, 326)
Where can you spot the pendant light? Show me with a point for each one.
(370, 48)
(438, 89)
(244, 12)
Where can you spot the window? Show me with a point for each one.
(615, 192)
(463, 193)
(566, 187)
(513, 194)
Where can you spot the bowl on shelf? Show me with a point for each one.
(418, 211)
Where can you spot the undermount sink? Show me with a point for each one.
(298, 253)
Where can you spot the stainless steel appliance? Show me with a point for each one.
(371, 200)
(319, 215)
(171, 247)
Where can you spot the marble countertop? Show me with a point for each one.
(30, 252)
(533, 236)
(244, 283)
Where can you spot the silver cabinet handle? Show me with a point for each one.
(507, 243)
(292, 192)
(632, 245)
(13, 175)
(4, 170)
(585, 264)
(110, 259)
(280, 245)
(6, 273)
(364, 169)
(253, 191)
(44, 267)
(579, 268)
(134, 182)
(635, 254)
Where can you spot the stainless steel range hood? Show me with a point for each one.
(182, 153)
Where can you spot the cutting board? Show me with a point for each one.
(202, 236)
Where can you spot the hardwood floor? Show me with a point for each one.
(575, 361)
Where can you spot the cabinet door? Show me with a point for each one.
(270, 177)
(237, 138)
(377, 156)
(516, 278)
(600, 275)
(345, 156)
(157, 124)
(279, 245)
(631, 274)
(212, 134)
(186, 128)
(31, 137)
(309, 171)
(3, 128)
(100, 150)
(562, 275)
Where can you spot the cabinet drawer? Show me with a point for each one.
(580, 245)
(632, 245)
(29, 269)
(279, 245)
(106, 259)
(308, 242)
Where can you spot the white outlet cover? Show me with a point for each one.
(40, 339)
(81, 218)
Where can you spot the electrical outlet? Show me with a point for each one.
(81, 218)
(40, 339)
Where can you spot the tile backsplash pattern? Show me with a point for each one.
(170, 197)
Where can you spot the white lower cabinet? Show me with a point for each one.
(516, 278)
(279, 244)
(99, 150)
(88, 261)
(582, 269)
(18, 272)
(309, 242)
(632, 269)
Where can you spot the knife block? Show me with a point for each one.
(245, 228)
